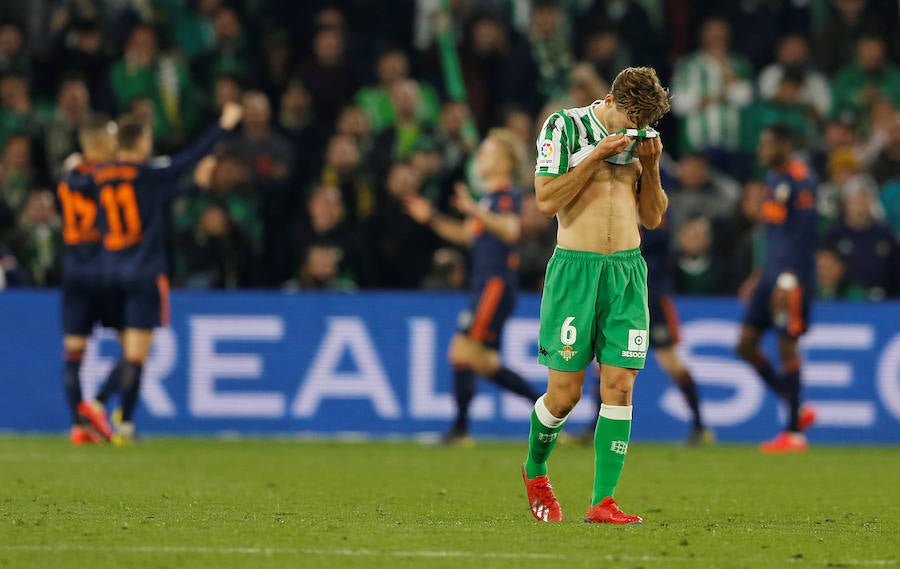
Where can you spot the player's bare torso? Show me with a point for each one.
(603, 216)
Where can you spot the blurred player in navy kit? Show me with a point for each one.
(134, 193)
(664, 331)
(86, 299)
(491, 229)
(783, 294)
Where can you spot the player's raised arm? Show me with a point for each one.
(555, 186)
(652, 200)
(506, 226)
(447, 228)
(189, 157)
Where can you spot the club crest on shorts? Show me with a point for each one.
(567, 353)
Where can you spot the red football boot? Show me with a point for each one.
(95, 414)
(608, 512)
(807, 417)
(544, 505)
(82, 436)
(784, 443)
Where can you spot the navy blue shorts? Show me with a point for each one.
(145, 302)
(86, 304)
(664, 329)
(488, 310)
(796, 321)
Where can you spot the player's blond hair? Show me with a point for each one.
(511, 145)
(640, 95)
(96, 131)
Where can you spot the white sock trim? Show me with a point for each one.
(545, 416)
(616, 412)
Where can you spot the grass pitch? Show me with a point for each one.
(260, 503)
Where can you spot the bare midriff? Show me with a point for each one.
(603, 216)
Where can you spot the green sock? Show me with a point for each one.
(545, 429)
(610, 445)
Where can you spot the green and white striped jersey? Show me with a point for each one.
(570, 135)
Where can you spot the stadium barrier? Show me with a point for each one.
(374, 364)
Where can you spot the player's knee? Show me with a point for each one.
(617, 387)
(561, 399)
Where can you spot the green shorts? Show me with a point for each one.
(594, 305)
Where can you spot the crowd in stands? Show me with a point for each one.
(349, 109)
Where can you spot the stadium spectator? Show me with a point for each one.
(832, 280)
(377, 101)
(585, 87)
(604, 51)
(227, 88)
(837, 41)
(397, 141)
(890, 201)
(73, 104)
(215, 254)
(538, 69)
(324, 224)
(296, 120)
(344, 170)
(701, 192)
(320, 270)
(229, 53)
(843, 167)
(711, 88)
(82, 47)
(270, 157)
(401, 249)
(278, 64)
(793, 56)
(11, 274)
(38, 242)
(697, 269)
(455, 139)
(328, 77)
(483, 54)
(786, 107)
(192, 25)
(13, 57)
(18, 113)
(16, 172)
(886, 165)
(448, 271)
(144, 74)
(866, 245)
(859, 85)
(738, 239)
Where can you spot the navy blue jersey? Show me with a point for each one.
(81, 233)
(789, 213)
(655, 246)
(491, 257)
(134, 201)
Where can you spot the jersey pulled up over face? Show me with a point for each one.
(570, 135)
(789, 214)
(491, 256)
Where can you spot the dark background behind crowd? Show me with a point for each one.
(347, 112)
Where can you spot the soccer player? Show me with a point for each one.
(491, 229)
(134, 193)
(783, 296)
(598, 172)
(86, 300)
(664, 333)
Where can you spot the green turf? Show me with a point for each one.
(259, 504)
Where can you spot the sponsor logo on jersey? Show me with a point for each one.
(629, 354)
(567, 353)
(637, 340)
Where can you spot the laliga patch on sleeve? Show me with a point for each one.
(546, 150)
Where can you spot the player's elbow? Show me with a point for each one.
(546, 206)
(651, 220)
